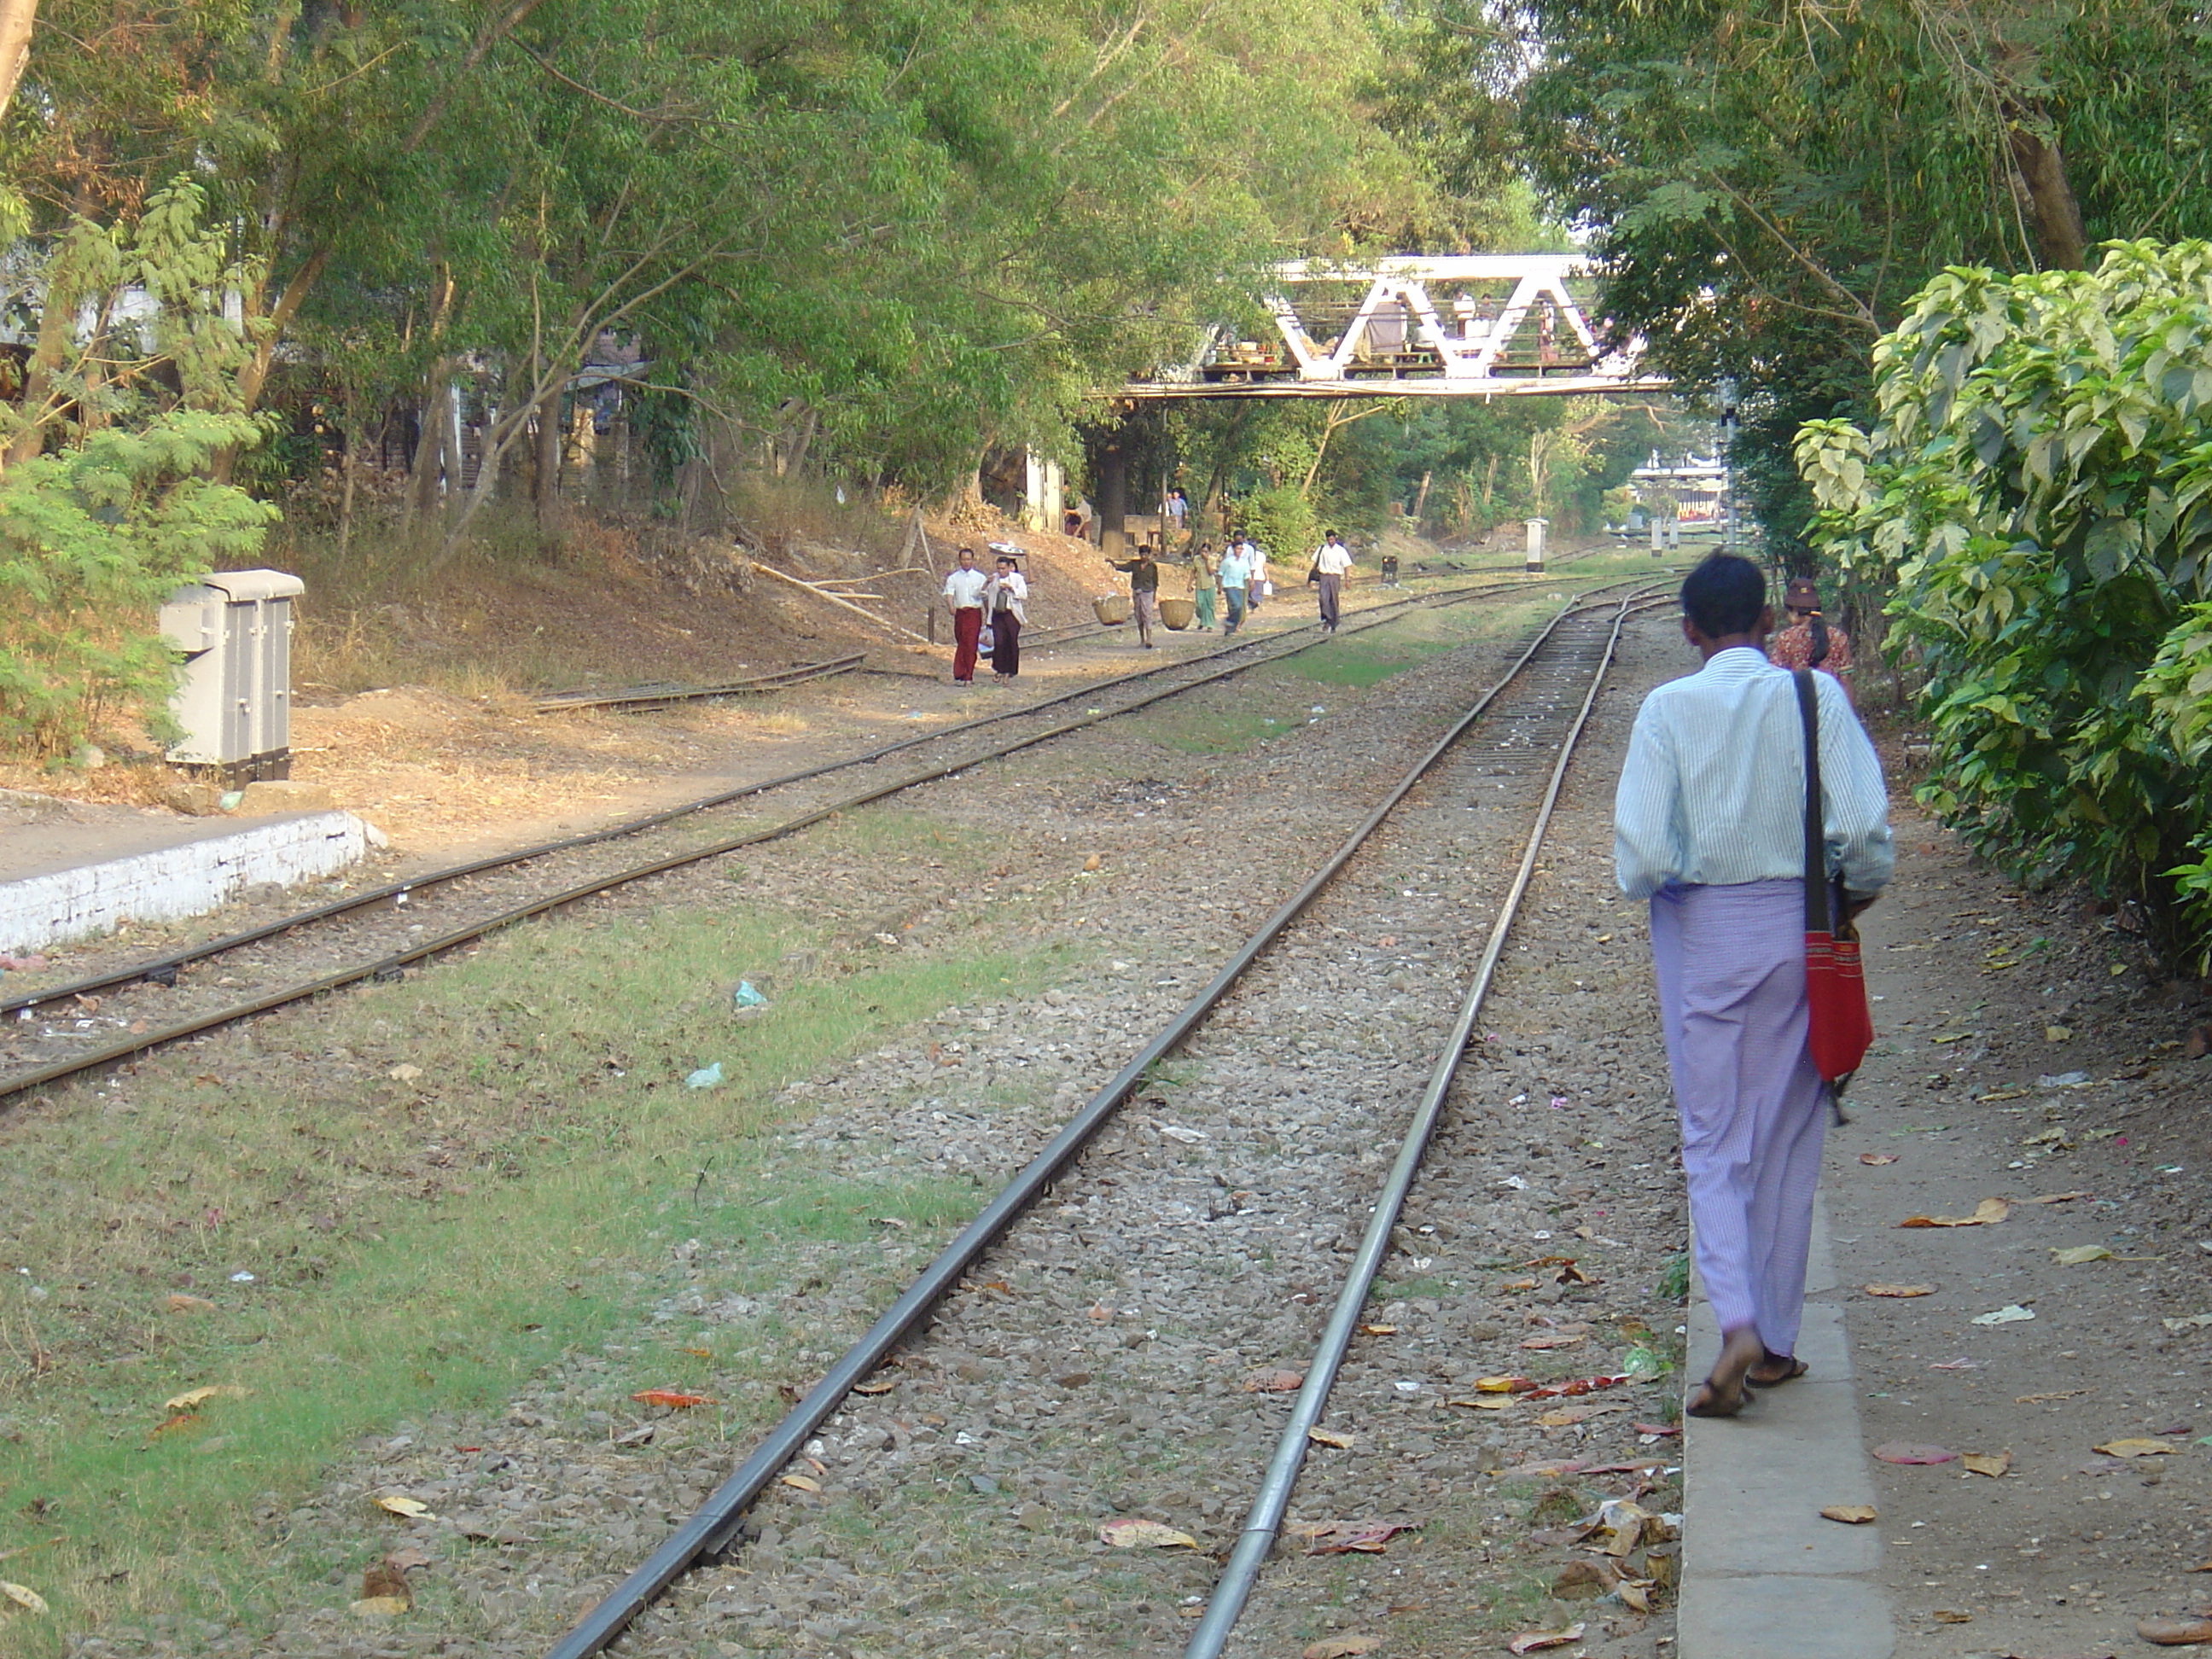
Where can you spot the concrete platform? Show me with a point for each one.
(1764, 1576)
(70, 870)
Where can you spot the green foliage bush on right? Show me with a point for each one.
(2038, 490)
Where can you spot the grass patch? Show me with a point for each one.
(416, 1243)
(1191, 729)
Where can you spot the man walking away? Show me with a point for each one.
(1003, 597)
(1256, 556)
(1709, 825)
(1810, 641)
(1144, 590)
(1201, 585)
(963, 597)
(1331, 560)
(1236, 573)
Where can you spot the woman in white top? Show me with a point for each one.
(1003, 599)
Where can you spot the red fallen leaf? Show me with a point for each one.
(1273, 1380)
(1904, 1451)
(1581, 1385)
(1656, 1428)
(1348, 1537)
(182, 1419)
(1877, 1158)
(701, 1353)
(671, 1398)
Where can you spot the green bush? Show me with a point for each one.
(122, 506)
(2038, 490)
(1283, 521)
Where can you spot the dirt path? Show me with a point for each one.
(2028, 1053)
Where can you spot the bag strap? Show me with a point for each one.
(1817, 918)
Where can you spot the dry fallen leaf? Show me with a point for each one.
(1987, 1214)
(2176, 1633)
(380, 1607)
(1132, 1534)
(2136, 1447)
(1535, 1640)
(1581, 1578)
(23, 1596)
(671, 1398)
(1502, 1384)
(412, 1509)
(1486, 1402)
(1993, 1464)
(803, 1482)
(1905, 1451)
(1947, 1616)
(1339, 1647)
(177, 1302)
(2075, 1254)
(2054, 1198)
(1329, 1437)
(1635, 1594)
(1900, 1290)
(1877, 1159)
(1274, 1380)
(1851, 1515)
(193, 1399)
(2044, 1399)
(1380, 1330)
(1552, 1339)
(1348, 1537)
(882, 1383)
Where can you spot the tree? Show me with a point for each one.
(1770, 186)
(2038, 489)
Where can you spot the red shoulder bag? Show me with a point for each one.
(1841, 1028)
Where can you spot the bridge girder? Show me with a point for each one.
(1397, 344)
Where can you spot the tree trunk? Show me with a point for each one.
(546, 482)
(1421, 500)
(1113, 499)
(2060, 242)
(421, 498)
(16, 17)
(347, 465)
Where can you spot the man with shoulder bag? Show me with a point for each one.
(1743, 835)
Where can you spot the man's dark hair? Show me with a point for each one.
(1724, 595)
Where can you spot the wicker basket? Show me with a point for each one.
(1178, 614)
(1111, 608)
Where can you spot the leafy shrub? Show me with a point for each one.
(2035, 489)
(122, 507)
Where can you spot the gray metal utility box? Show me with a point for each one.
(235, 702)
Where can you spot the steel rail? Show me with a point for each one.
(709, 1529)
(1264, 1522)
(661, 696)
(157, 967)
(393, 964)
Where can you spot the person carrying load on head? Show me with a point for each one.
(1810, 640)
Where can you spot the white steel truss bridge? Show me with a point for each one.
(1459, 325)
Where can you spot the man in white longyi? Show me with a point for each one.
(1709, 825)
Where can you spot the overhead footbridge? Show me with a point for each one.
(1457, 325)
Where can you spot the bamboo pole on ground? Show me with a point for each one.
(844, 604)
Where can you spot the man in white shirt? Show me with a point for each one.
(1330, 561)
(1709, 825)
(1256, 557)
(963, 597)
(1236, 575)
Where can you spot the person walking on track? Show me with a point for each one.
(1256, 556)
(1330, 561)
(1003, 595)
(1144, 590)
(1201, 585)
(1709, 826)
(1810, 641)
(1236, 575)
(963, 597)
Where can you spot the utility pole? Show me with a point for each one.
(1727, 391)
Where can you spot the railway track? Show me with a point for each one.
(111, 1017)
(1479, 797)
